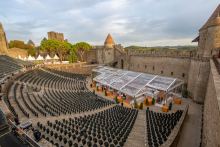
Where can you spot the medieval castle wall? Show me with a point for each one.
(211, 116)
(3, 41)
(56, 36)
(187, 66)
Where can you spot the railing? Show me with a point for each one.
(217, 65)
(24, 137)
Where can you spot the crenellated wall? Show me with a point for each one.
(164, 53)
(186, 66)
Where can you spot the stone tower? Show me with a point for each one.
(109, 42)
(3, 41)
(209, 39)
(55, 36)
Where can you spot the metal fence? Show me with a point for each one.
(23, 136)
(217, 65)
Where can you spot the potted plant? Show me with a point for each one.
(146, 102)
(97, 88)
(95, 83)
(105, 93)
(170, 105)
(185, 93)
(141, 106)
(135, 103)
(153, 101)
(116, 99)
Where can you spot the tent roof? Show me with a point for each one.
(56, 57)
(31, 58)
(48, 57)
(40, 58)
(133, 83)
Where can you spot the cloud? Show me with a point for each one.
(130, 22)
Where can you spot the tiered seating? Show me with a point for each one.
(15, 97)
(8, 67)
(75, 102)
(66, 74)
(18, 61)
(26, 104)
(54, 101)
(42, 78)
(109, 128)
(7, 99)
(160, 125)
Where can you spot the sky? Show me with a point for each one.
(130, 22)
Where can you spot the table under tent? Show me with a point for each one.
(138, 85)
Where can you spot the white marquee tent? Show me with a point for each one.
(56, 57)
(48, 57)
(39, 58)
(30, 58)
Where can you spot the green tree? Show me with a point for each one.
(20, 44)
(146, 101)
(170, 106)
(49, 46)
(81, 48)
(56, 47)
(141, 106)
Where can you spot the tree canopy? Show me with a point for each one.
(20, 44)
(81, 48)
(56, 47)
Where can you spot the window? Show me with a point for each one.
(138, 65)
(145, 66)
(171, 73)
(183, 75)
(131, 64)
(161, 72)
(153, 68)
(211, 52)
(109, 53)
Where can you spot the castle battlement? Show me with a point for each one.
(164, 53)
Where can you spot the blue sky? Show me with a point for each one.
(130, 22)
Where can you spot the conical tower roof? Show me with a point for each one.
(109, 39)
(44, 39)
(213, 20)
(30, 42)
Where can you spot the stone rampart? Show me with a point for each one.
(211, 116)
(164, 53)
(164, 66)
(77, 68)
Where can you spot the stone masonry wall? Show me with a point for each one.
(198, 79)
(15, 52)
(78, 68)
(170, 67)
(3, 41)
(211, 121)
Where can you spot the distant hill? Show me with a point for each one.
(179, 47)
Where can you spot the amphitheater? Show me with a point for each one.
(61, 105)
